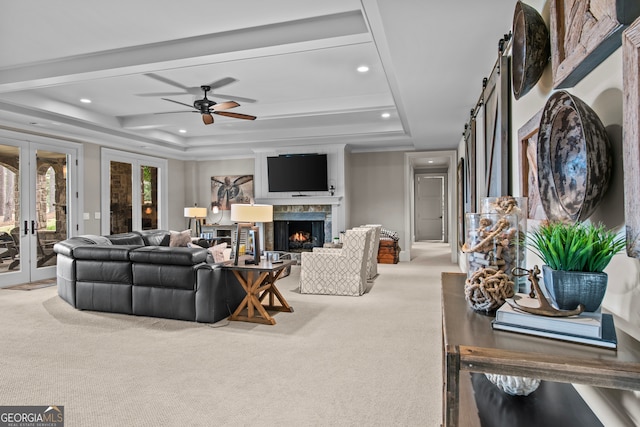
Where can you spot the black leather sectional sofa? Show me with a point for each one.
(138, 273)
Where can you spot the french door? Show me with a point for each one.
(134, 192)
(35, 207)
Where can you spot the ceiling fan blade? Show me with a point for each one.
(167, 81)
(207, 119)
(225, 105)
(175, 112)
(222, 82)
(155, 94)
(177, 102)
(237, 98)
(235, 115)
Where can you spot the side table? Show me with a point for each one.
(258, 281)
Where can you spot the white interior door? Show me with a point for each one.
(429, 207)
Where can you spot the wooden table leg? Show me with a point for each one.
(274, 293)
(451, 396)
(252, 286)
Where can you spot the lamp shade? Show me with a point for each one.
(195, 212)
(251, 213)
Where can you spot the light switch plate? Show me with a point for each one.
(96, 215)
(86, 215)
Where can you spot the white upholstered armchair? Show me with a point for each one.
(374, 245)
(338, 271)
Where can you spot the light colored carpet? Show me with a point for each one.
(373, 360)
(32, 285)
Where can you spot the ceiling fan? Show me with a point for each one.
(207, 107)
(196, 90)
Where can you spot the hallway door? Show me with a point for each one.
(429, 205)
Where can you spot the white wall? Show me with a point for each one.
(197, 181)
(602, 89)
(177, 195)
(376, 189)
(91, 191)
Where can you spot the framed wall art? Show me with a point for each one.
(630, 136)
(227, 190)
(584, 33)
(528, 165)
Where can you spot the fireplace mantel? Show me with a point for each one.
(302, 200)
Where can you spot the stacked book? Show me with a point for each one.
(593, 328)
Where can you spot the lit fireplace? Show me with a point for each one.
(301, 240)
(298, 236)
(291, 223)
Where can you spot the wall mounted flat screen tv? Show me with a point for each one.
(297, 172)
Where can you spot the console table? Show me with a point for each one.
(259, 282)
(471, 345)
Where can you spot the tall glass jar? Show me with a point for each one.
(509, 205)
(492, 244)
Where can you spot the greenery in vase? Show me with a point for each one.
(574, 247)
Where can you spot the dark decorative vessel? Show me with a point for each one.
(574, 159)
(531, 48)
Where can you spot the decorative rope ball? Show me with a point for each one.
(487, 289)
(507, 204)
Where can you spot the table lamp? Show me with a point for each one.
(197, 214)
(246, 216)
(215, 209)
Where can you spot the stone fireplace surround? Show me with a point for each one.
(312, 212)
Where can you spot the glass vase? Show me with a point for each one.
(492, 244)
(509, 205)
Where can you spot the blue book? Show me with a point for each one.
(608, 337)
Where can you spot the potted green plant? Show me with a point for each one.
(574, 257)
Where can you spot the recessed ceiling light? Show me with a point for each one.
(385, 115)
(363, 69)
(85, 101)
(430, 161)
(182, 131)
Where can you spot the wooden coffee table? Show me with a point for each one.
(258, 282)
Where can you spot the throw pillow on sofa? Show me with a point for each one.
(217, 252)
(179, 238)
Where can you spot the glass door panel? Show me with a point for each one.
(121, 195)
(51, 220)
(149, 197)
(10, 199)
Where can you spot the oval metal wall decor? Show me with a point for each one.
(531, 48)
(574, 159)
